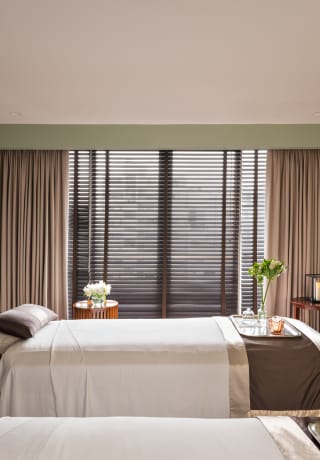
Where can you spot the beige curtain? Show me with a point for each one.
(292, 222)
(33, 238)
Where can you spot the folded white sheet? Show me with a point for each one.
(176, 368)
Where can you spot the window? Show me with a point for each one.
(165, 229)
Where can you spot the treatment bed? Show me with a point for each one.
(196, 367)
(121, 438)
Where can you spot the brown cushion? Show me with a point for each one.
(24, 321)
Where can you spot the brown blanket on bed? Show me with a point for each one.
(284, 373)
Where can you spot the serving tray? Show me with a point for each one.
(255, 328)
(314, 429)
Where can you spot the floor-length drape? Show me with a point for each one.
(292, 221)
(33, 231)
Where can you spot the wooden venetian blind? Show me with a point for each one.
(253, 178)
(114, 233)
(87, 185)
(134, 232)
(163, 228)
(203, 233)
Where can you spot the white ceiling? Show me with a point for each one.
(164, 61)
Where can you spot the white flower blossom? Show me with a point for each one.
(97, 290)
(273, 264)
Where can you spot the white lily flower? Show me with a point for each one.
(97, 290)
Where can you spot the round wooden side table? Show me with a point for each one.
(83, 310)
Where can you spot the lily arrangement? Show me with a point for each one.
(97, 291)
(268, 269)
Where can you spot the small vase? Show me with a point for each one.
(96, 302)
(262, 314)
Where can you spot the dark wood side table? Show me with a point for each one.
(81, 310)
(302, 303)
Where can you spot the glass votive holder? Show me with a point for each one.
(276, 325)
(248, 316)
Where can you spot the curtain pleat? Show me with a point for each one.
(293, 223)
(33, 233)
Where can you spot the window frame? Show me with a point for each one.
(163, 221)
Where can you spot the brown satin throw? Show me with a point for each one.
(284, 373)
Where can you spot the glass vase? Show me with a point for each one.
(262, 314)
(97, 302)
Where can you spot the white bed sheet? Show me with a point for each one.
(137, 439)
(176, 368)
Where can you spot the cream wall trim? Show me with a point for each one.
(159, 136)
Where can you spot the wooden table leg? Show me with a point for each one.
(295, 312)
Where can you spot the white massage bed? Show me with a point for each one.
(121, 438)
(195, 367)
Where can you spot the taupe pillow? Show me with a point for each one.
(24, 321)
(6, 340)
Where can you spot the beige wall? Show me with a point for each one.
(159, 136)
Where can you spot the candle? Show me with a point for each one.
(276, 325)
(317, 291)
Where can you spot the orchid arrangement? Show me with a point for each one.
(97, 291)
(268, 269)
